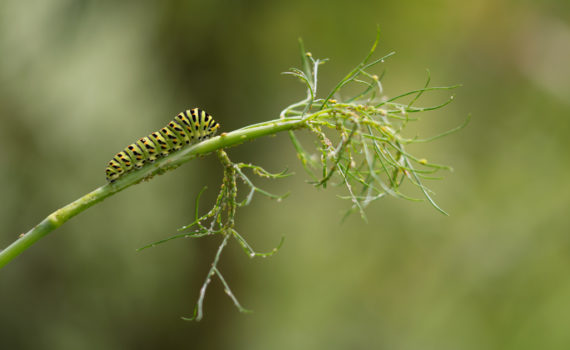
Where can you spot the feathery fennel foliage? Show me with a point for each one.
(359, 145)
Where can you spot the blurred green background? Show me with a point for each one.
(79, 80)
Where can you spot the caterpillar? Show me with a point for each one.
(191, 126)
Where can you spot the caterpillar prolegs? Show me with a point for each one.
(191, 126)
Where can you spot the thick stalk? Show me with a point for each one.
(60, 216)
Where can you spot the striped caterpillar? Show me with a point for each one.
(187, 127)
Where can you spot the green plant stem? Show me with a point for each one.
(60, 216)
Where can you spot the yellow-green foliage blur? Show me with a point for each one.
(79, 80)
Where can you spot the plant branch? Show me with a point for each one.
(225, 140)
(359, 142)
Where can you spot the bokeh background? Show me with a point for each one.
(81, 79)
